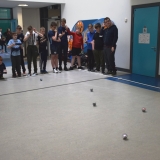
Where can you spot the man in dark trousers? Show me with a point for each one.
(110, 36)
(62, 33)
(20, 36)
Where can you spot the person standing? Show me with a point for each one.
(77, 47)
(32, 50)
(15, 44)
(97, 46)
(2, 68)
(42, 43)
(54, 44)
(90, 35)
(62, 33)
(8, 35)
(20, 36)
(110, 34)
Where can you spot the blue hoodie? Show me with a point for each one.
(90, 39)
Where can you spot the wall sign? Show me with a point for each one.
(144, 38)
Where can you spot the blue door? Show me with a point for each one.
(145, 37)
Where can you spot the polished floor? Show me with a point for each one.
(54, 119)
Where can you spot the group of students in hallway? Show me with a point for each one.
(101, 46)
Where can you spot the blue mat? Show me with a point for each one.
(138, 81)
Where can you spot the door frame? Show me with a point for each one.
(158, 37)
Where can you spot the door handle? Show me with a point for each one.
(154, 48)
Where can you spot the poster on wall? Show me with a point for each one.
(144, 38)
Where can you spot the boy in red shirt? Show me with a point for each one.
(77, 47)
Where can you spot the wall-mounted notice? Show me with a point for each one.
(144, 38)
(145, 30)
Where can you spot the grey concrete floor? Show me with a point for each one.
(54, 119)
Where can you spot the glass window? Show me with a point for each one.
(5, 13)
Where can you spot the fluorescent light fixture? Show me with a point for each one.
(23, 5)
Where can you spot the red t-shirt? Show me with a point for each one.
(77, 39)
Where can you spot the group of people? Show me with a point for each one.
(101, 46)
(4, 39)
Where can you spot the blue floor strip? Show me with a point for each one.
(8, 63)
(138, 81)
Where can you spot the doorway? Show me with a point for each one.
(145, 52)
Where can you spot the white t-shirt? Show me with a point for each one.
(33, 39)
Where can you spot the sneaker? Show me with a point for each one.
(42, 72)
(24, 73)
(97, 70)
(14, 76)
(45, 72)
(109, 72)
(81, 68)
(55, 71)
(29, 74)
(34, 74)
(92, 70)
(60, 68)
(71, 68)
(114, 73)
(1, 77)
(65, 68)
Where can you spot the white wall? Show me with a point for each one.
(117, 10)
(17, 14)
(89, 9)
(31, 17)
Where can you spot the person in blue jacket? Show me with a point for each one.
(90, 54)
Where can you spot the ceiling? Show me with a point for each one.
(30, 3)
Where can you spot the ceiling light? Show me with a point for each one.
(23, 5)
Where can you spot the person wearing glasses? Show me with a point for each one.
(110, 37)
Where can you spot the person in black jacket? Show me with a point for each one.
(42, 43)
(8, 35)
(110, 37)
(20, 36)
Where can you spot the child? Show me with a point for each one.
(15, 44)
(97, 46)
(20, 36)
(77, 47)
(90, 35)
(3, 44)
(42, 42)
(54, 44)
(2, 68)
